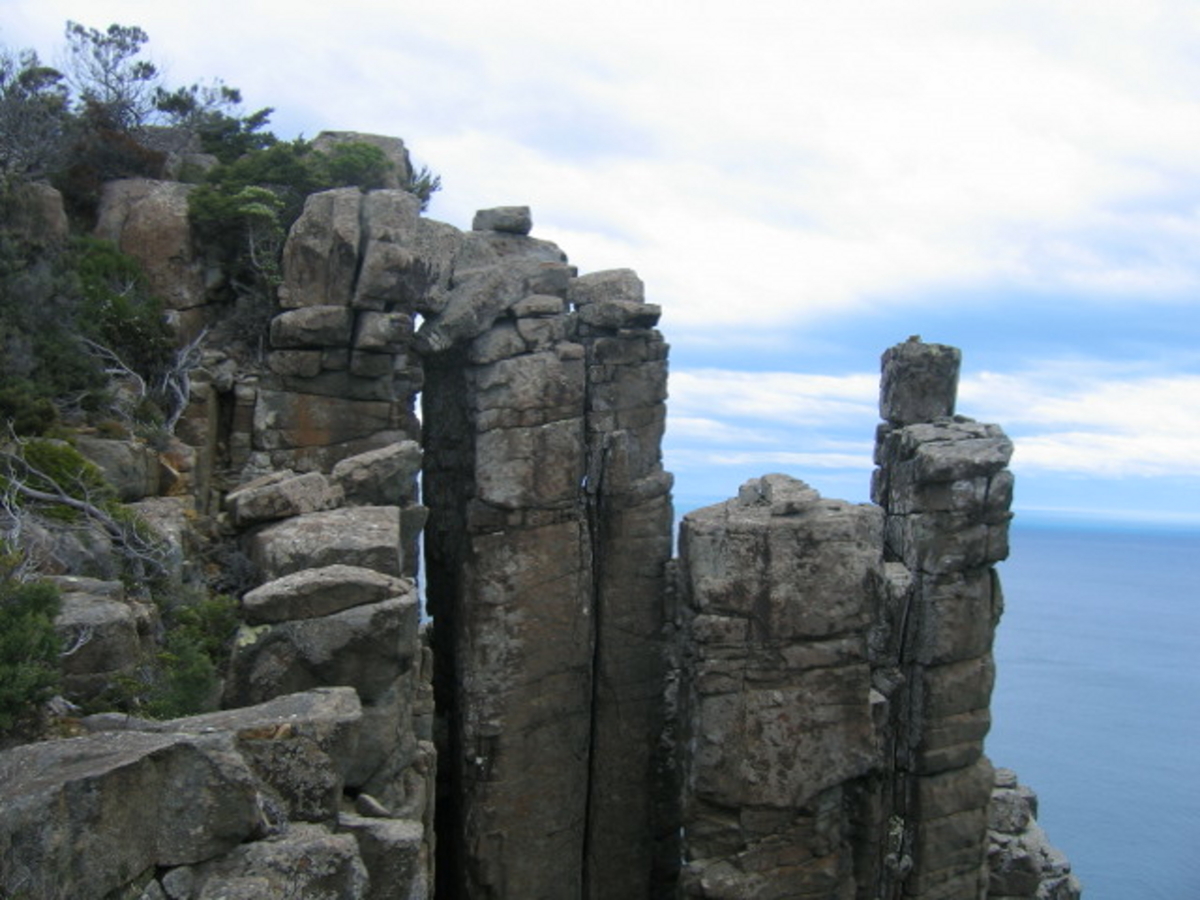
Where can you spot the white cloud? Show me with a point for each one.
(1074, 417)
(810, 159)
(782, 398)
(1094, 418)
(769, 165)
(780, 460)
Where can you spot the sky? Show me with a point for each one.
(801, 185)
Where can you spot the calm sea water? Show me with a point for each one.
(1097, 702)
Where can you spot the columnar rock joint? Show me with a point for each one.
(778, 586)
(796, 707)
(838, 667)
(549, 535)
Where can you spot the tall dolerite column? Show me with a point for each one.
(944, 486)
(509, 567)
(779, 585)
(547, 546)
(631, 821)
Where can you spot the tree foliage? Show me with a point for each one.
(29, 648)
(33, 117)
(114, 86)
(72, 318)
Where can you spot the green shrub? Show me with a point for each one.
(52, 302)
(211, 623)
(197, 645)
(28, 413)
(51, 466)
(187, 680)
(118, 310)
(44, 358)
(29, 648)
(355, 163)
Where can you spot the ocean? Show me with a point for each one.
(1097, 701)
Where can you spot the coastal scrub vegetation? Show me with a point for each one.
(83, 337)
(29, 647)
(85, 345)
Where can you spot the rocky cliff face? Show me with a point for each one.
(795, 707)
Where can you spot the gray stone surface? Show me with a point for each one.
(131, 467)
(819, 674)
(320, 257)
(367, 536)
(305, 861)
(920, 382)
(310, 593)
(312, 326)
(149, 221)
(1022, 864)
(365, 647)
(286, 420)
(81, 817)
(387, 476)
(622, 285)
(511, 219)
(943, 485)
(395, 854)
(777, 712)
(275, 497)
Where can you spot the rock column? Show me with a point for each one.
(548, 544)
(509, 569)
(777, 708)
(943, 484)
(631, 847)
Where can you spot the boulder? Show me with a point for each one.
(509, 219)
(286, 420)
(621, 285)
(85, 549)
(382, 332)
(367, 536)
(612, 315)
(385, 476)
(394, 270)
(170, 518)
(366, 647)
(273, 497)
(394, 852)
(1021, 861)
(149, 221)
(298, 746)
(131, 467)
(304, 861)
(81, 817)
(538, 306)
(311, 593)
(312, 326)
(103, 634)
(919, 383)
(320, 258)
(492, 272)
(501, 341)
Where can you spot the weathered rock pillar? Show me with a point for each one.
(943, 483)
(509, 568)
(631, 846)
(779, 585)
